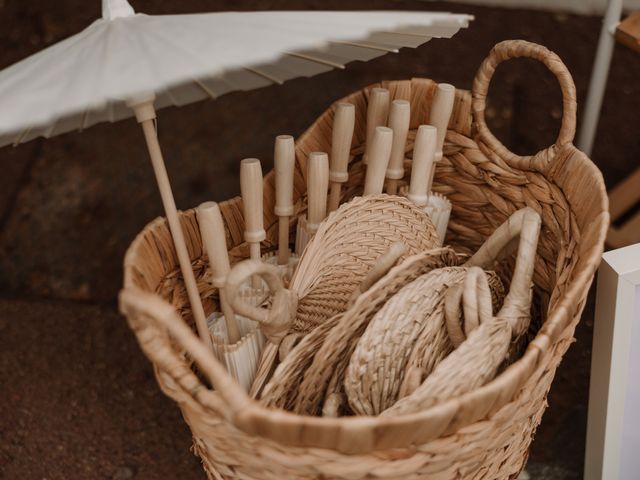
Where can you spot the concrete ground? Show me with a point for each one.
(78, 398)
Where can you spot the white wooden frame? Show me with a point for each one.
(610, 408)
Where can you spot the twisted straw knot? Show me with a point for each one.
(542, 159)
(281, 315)
(474, 295)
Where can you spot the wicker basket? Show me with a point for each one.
(482, 434)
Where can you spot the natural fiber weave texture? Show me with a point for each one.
(482, 434)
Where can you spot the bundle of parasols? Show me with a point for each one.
(370, 312)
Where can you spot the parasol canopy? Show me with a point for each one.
(89, 77)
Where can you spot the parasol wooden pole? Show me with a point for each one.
(146, 114)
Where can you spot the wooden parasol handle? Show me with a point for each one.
(284, 163)
(424, 151)
(215, 245)
(399, 118)
(377, 115)
(341, 138)
(378, 161)
(317, 189)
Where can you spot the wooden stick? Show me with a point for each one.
(424, 151)
(344, 122)
(284, 163)
(215, 245)
(377, 114)
(399, 117)
(317, 186)
(251, 191)
(145, 114)
(441, 109)
(379, 159)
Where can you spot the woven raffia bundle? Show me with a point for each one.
(484, 433)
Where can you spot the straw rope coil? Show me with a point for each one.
(482, 434)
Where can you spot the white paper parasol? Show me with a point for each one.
(126, 63)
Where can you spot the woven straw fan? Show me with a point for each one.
(335, 262)
(284, 385)
(237, 342)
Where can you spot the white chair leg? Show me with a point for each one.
(599, 76)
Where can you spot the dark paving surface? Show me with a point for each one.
(78, 399)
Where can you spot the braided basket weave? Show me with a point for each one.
(482, 434)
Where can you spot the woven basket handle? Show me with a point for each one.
(275, 321)
(517, 49)
(525, 225)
